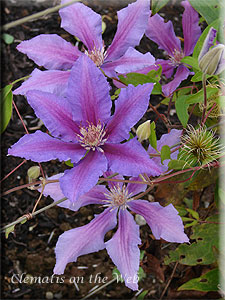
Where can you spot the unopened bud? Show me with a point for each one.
(143, 131)
(33, 173)
(213, 62)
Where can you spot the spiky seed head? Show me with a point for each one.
(199, 146)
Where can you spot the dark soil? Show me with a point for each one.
(30, 249)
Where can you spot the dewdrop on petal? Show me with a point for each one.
(143, 131)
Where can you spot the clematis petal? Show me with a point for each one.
(130, 159)
(131, 61)
(83, 240)
(130, 107)
(46, 81)
(180, 75)
(132, 22)
(207, 43)
(123, 249)
(41, 147)
(191, 29)
(50, 51)
(164, 221)
(89, 104)
(167, 67)
(112, 184)
(94, 196)
(136, 188)
(56, 114)
(162, 34)
(82, 22)
(83, 176)
(169, 139)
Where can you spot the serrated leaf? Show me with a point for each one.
(7, 38)
(201, 251)
(210, 10)
(205, 283)
(156, 5)
(152, 137)
(182, 109)
(165, 153)
(193, 213)
(6, 106)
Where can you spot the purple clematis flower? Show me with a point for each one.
(123, 246)
(163, 34)
(170, 139)
(84, 131)
(57, 55)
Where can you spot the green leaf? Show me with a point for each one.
(181, 210)
(201, 40)
(136, 78)
(6, 106)
(156, 5)
(142, 295)
(68, 163)
(205, 283)
(165, 153)
(116, 94)
(193, 213)
(7, 38)
(209, 9)
(177, 164)
(199, 96)
(201, 251)
(191, 61)
(182, 109)
(9, 230)
(152, 138)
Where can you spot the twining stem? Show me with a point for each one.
(37, 15)
(38, 200)
(205, 98)
(25, 218)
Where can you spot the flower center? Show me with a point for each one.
(92, 137)
(176, 57)
(118, 197)
(97, 55)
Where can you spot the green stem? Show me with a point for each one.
(205, 98)
(25, 218)
(36, 15)
(22, 78)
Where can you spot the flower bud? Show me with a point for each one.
(33, 173)
(213, 62)
(143, 131)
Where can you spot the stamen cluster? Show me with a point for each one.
(92, 136)
(118, 197)
(200, 146)
(98, 56)
(175, 59)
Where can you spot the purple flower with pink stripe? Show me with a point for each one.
(122, 248)
(57, 55)
(83, 130)
(163, 34)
